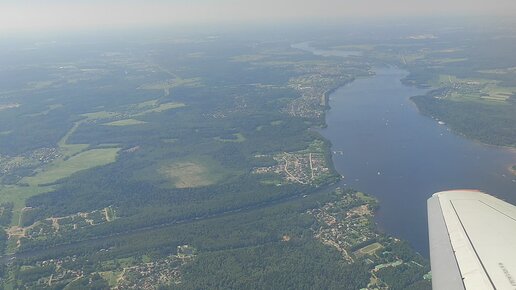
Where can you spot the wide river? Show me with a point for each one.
(383, 146)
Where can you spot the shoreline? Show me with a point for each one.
(460, 134)
(476, 141)
(329, 155)
(380, 227)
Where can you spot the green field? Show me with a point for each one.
(371, 249)
(239, 137)
(56, 171)
(69, 150)
(111, 277)
(100, 115)
(126, 122)
(133, 110)
(17, 195)
(450, 60)
(64, 168)
(161, 108)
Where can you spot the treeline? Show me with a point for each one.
(489, 123)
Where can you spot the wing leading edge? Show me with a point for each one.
(472, 241)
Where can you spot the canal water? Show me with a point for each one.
(383, 146)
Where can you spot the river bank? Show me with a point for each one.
(401, 157)
(388, 149)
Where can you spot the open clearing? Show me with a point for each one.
(189, 174)
(64, 168)
(131, 111)
(126, 122)
(17, 195)
(161, 108)
(69, 150)
(450, 60)
(371, 249)
(74, 159)
(367, 198)
(248, 57)
(166, 85)
(238, 138)
(111, 277)
(101, 115)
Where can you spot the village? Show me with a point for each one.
(10, 165)
(313, 90)
(126, 273)
(53, 226)
(164, 271)
(305, 167)
(347, 225)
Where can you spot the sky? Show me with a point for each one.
(48, 15)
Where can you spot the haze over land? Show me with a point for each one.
(40, 16)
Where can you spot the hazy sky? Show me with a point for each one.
(44, 15)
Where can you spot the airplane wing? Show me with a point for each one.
(472, 241)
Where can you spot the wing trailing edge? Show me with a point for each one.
(472, 241)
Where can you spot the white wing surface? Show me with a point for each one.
(472, 241)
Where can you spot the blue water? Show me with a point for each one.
(391, 151)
